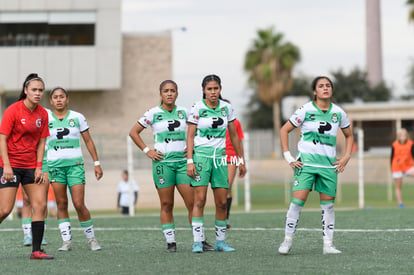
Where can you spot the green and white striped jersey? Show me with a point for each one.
(317, 144)
(168, 129)
(63, 145)
(210, 137)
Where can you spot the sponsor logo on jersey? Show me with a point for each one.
(158, 117)
(334, 118)
(203, 113)
(298, 120)
(173, 124)
(38, 122)
(311, 117)
(23, 121)
(217, 121)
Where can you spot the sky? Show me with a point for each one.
(330, 36)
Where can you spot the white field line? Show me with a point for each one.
(232, 229)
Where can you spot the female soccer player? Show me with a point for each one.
(65, 165)
(169, 170)
(207, 124)
(402, 153)
(316, 166)
(23, 131)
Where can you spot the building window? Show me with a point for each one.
(33, 29)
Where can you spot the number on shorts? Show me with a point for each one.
(160, 169)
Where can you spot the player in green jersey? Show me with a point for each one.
(207, 124)
(65, 165)
(316, 166)
(169, 124)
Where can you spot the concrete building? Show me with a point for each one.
(112, 77)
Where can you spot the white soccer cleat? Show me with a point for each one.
(285, 246)
(66, 246)
(93, 244)
(330, 249)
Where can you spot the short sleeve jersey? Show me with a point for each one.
(168, 129)
(210, 137)
(317, 144)
(63, 144)
(24, 129)
(230, 152)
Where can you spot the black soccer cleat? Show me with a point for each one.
(207, 246)
(171, 247)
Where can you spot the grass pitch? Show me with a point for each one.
(373, 241)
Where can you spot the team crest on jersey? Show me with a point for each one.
(180, 115)
(223, 111)
(162, 180)
(38, 122)
(197, 178)
(71, 123)
(334, 118)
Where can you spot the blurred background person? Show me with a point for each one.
(124, 193)
(402, 153)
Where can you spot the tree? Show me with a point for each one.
(348, 88)
(260, 115)
(354, 87)
(269, 63)
(410, 3)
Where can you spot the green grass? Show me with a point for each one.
(374, 241)
(272, 196)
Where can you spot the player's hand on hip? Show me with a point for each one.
(155, 156)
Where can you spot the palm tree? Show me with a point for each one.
(269, 63)
(410, 3)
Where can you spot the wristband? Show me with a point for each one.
(39, 165)
(146, 150)
(96, 163)
(288, 157)
(241, 161)
(189, 161)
